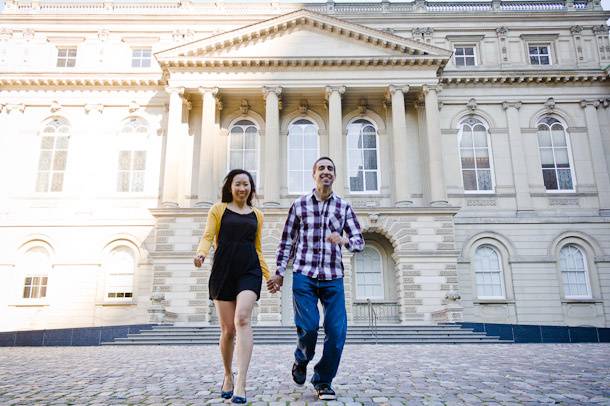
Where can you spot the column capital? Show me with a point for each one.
(427, 88)
(398, 88)
(212, 90)
(331, 89)
(516, 105)
(586, 103)
(20, 107)
(271, 89)
(174, 89)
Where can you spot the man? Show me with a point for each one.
(313, 237)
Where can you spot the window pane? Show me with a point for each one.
(44, 163)
(295, 159)
(57, 182)
(42, 182)
(370, 159)
(236, 161)
(61, 142)
(482, 157)
(123, 182)
(371, 181)
(544, 138)
(370, 137)
(26, 292)
(466, 140)
(138, 182)
(294, 181)
(565, 179)
(469, 51)
(544, 60)
(250, 160)
(356, 183)
(550, 179)
(459, 61)
(59, 161)
(467, 158)
(561, 157)
(43, 291)
(124, 160)
(484, 178)
(237, 139)
(295, 138)
(546, 158)
(47, 142)
(250, 137)
(559, 138)
(139, 160)
(480, 137)
(470, 181)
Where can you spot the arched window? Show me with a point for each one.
(475, 154)
(302, 153)
(119, 266)
(555, 155)
(243, 147)
(54, 140)
(573, 266)
(368, 268)
(362, 156)
(132, 155)
(488, 273)
(34, 267)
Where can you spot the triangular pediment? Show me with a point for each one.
(303, 37)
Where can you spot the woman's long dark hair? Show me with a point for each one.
(227, 196)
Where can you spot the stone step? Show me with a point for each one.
(487, 340)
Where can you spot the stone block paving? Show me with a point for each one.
(505, 374)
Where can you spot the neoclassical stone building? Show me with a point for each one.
(473, 139)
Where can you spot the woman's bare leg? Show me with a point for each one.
(243, 315)
(226, 316)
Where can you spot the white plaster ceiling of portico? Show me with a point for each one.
(304, 40)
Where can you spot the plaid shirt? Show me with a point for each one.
(308, 225)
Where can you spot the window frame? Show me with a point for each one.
(133, 142)
(539, 44)
(347, 153)
(22, 272)
(288, 149)
(141, 58)
(569, 150)
(67, 58)
(257, 175)
(586, 271)
(489, 151)
(108, 273)
(501, 272)
(381, 275)
(63, 122)
(474, 55)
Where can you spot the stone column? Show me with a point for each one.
(438, 195)
(600, 168)
(205, 191)
(169, 194)
(272, 146)
(402, 194)
(517, 157)
(335, 135)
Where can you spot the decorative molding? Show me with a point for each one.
(576, 29)
(103, 35)
(219, 103)
(525, 77)
(600, 29)
(133, 106)
(586, 103)
(28, 34)
(174, 89)
(213, 90)
(549, 104)
(516, 105)
(502, 30)
(427, 88)
(6, 34)
(465, 38)
(539, 37)
(271, 89)
(362, 105)
(66, 40)
(139, 41)
(18, 107)
(244, 106)
(330, 89)
(303, 106)
(91, 107)
(55, 106)
(472, 104)
(480, 202)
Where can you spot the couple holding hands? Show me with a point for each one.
(319, 224)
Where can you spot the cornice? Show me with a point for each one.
(82, 79)
(524, 76)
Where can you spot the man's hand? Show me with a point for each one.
(275, 283)
(335, 238)
(198, 260)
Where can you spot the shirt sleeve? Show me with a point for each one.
(289, 235)
(353, 231)
(258, 244)
(211, 230)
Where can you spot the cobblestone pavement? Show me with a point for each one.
(369, 375)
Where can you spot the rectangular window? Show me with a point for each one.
(120, 286)
(141, 57)
(52, 163)
(66, 57)
(35, 287)
(132, 166)
(464, 56)
(540, 54)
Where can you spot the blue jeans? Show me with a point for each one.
(306, 292)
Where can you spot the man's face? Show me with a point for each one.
(324, 173)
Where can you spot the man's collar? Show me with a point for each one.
(312, 195)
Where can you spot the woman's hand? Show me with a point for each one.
(198, 260)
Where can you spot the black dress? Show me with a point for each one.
(236, 265)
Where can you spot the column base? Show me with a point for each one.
(271, 204)
(203, 204)
(403, 203)
(439, 203)
(169, 205)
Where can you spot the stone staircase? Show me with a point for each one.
(384, 334)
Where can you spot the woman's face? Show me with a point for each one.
(240, 187)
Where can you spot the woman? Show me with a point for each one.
(237, 271)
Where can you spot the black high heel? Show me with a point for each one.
(226, 394)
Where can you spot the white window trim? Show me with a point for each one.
(586, 269)
(119, 300)
(570, 157)
(313, 122)
(377, 148)
(475, 55)
(20, 275)
(381, 263)
(502, 273)
(549, 45)
(55, 134)
(75, 57)
(150, 59)
(491, 160)
(258, 148)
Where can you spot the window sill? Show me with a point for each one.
(373, 301)
(37, 303)
(584, 301)
(117, 303)
(493, 301)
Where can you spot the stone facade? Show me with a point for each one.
(142, 111)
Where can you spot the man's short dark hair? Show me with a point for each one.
(315, 164)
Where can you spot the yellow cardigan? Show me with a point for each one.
(212, 227)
